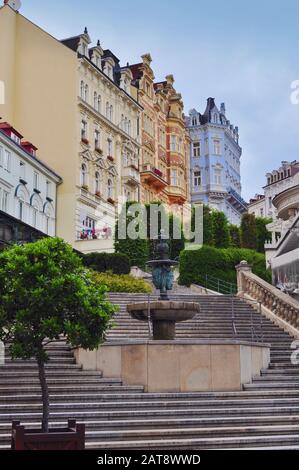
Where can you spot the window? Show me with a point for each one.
(86, 94)
(196, 149)
(82, 90)
(109, 147)
(6, 161)
(217, 176)
(215, 118)
(129, 127)
(4, 200)
(262, 212)
(22, 170)
(21, 209)
(180, 145)
(173, 143)
(97, 182)
(83, 130)
(181, 179)
(95, 100)
(217, 148)
(107, 110)
(148, 89)
(110, 189)
(35, 180)
(173, 177)
(89, 223)
(194, 121)
(206, 146)
(270, 201)
(97, 139)
(111, 113)
(83, 175)
(34, 216)
(48, 189)
(99, 105)
(197, 178)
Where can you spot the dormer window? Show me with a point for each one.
(215, 118)
(98, 62)
(15, 138)
(194, 121)
(84, 49)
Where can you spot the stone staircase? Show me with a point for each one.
(264, 415)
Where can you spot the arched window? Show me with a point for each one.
(107, 110)
(215, 118)
(110, 189)
(122, 122)
(126, 125)
(97, 182)
(194, 121)
(111, 113)
(35, 215)
(125, 159)
(86, 93)
(95, 100)
(83, 175)
(82, 90)
(129, 127)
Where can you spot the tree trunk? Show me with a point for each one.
(45, 393)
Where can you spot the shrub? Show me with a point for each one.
(118, 263)
(219, 263)
(235, 239)
(262, 234)
(122, 283)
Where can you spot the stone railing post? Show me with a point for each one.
(242, 268)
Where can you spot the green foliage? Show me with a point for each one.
(248, 232)
(136, 250)
(118, 263)
(262, 234)
(207, 224)
(45, 292)
(220, 230)
(219, 263)
(175, 245)
(235, 236)
(122, 283)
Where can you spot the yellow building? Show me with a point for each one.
(79, 107)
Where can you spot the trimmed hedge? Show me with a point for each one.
(219, 263)
(122, 283)
(117, 263)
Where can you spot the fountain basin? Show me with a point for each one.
(164, 315)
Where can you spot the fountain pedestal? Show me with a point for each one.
(164, 315)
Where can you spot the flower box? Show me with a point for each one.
(98, 150)
(85, 187)
(98, 194)
(85, 141)
(110, 200)
(110, 158)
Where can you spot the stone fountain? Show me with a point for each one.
(164, 313)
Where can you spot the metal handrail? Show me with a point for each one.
(219, 285)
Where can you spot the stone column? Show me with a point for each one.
(241, 268)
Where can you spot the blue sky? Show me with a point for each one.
(245, 54)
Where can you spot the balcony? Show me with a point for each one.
(153, 177)
(131, 176)
(176, 195)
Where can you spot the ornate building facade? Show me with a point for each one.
(215, 156)
(28, 190)
(164, 165)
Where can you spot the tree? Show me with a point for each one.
(235, 239)
(220, 230)
(207, 225)
(137, 250)
(248, 232)
(262, 234)
(45, 292)
(175, 245)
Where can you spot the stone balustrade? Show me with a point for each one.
(282, 306)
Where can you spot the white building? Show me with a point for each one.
(278, 181)
(28, 190)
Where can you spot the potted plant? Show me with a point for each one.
(85, 141)
(110, 200)
(45, 292)
(99, 150)
(98, 194)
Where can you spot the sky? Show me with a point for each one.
(242, 53)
